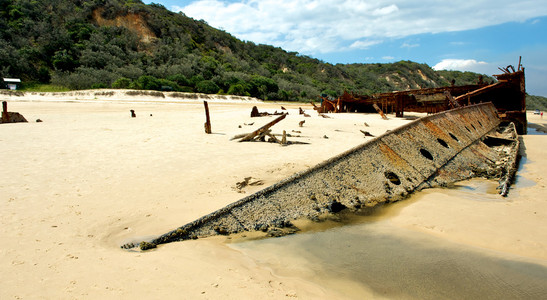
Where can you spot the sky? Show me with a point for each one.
(477, 36)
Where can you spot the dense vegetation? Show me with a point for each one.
(126, 44)
(536, 102)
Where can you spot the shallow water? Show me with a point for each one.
(368, 256)
(385, 261)
(535, 131)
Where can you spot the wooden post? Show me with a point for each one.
(5, 115)
(284, 138)
(133, 115)
(208, 120)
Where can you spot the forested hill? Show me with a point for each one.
(127, 44)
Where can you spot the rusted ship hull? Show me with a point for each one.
(432, 151)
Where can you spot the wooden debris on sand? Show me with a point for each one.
(366, 133)
(255, 113)
(247, 182)
(261, 133)
(264, 130)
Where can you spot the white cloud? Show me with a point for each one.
(365, 44)
(323, 26)
(388, 57)
(384, 11)
(460, 65)
(407, 45)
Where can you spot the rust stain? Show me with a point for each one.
(393, 156)
(437, 131)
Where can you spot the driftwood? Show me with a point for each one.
(262, 129)
(301, 123)
(324, 116)
(247, 182)
(255, 113)
(366, 133)
(238, 136)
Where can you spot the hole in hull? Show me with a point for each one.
(443, 143)
(426, 154)
(393, 178)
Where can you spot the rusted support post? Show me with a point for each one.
(5, 115)
(399, 106)
(451, 100)
(379, 111)
(207, 119)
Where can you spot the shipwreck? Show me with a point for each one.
(470, 131)
(508, 95)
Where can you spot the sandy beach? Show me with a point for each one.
(90, 178)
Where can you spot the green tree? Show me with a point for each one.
(121, 83)
(207, 87)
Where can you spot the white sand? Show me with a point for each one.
(89, 178)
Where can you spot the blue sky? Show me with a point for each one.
(478, 36)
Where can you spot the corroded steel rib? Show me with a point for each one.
(435, 150)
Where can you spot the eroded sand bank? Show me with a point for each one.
(89, 178)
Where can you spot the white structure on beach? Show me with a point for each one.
(11, 83)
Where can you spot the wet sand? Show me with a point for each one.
(89, 178)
